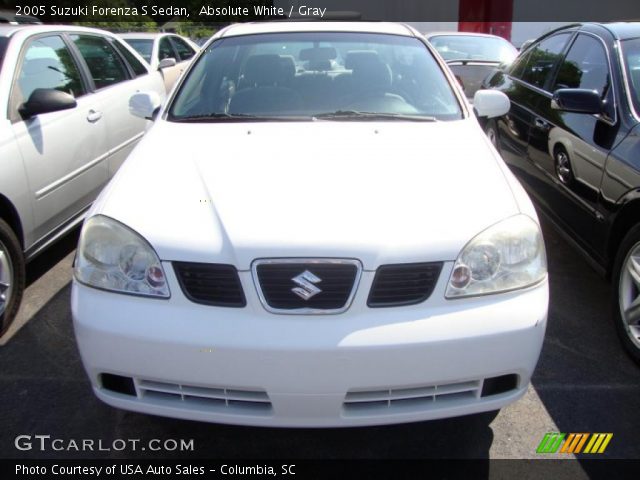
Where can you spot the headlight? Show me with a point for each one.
(112, 257)
(506, 256)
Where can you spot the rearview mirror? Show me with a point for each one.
(491, 103)
(145, 105)
(577, 100)
(166, 63)
(46, 100)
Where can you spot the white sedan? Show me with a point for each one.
(166, 52)
(333, 241)
(65, 130)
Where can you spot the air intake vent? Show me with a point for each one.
(403, 284)
(404, 400)
(210, 284)
(245, 402)
(306, 285)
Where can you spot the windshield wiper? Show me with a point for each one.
(356, 115)
(233, 117)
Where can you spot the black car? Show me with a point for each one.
(572, 136)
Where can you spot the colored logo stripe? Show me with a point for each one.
(550, 443)
(574, 442)
(598, 442)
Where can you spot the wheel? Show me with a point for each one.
(626, 293)
(12, 276)
(491, 130)
(563, 166)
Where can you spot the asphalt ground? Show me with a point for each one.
(584, 382)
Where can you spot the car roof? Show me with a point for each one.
(623, 30)
(461, 34)
(10, 30)
(286, 26)
(143, 35)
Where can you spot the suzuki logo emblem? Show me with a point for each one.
(306, 288)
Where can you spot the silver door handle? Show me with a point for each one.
(541, 124)
(93, 116)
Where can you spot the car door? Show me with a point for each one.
(571, 148)
(63, 151)
(524, 85)
(185, 52)
(114, 83)
(165, 50)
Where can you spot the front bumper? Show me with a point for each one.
(363, 367)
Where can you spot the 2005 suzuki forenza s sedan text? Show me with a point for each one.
(314, 232)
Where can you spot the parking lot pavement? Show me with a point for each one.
(583, 383)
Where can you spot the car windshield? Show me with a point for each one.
(631, 52)
(143, 46)
(4, 41)
(332, 76)
(474, 47)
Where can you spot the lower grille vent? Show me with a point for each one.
(371, 402)
(207, 398)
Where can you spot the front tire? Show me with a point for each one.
(491, 131)
(626, 293)
(12, 276)
(564, 171)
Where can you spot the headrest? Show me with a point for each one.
(266, 70)
(288, 65)
(318, 54)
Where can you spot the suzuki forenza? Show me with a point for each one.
(314, 232)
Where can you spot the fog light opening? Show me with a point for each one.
(118, 384)
(498, 385)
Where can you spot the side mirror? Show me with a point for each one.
(46, 100)
(166, 63)
(491, 103)
(577, 100)
(145, 105)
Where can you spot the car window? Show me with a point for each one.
(143, 46)
(474, 47)
(136, 65)
(537, 64)
(585, 66)
(104, 63)
(631, 55)
(47, 63)
(309, 74)
(185, 52)
(165, 49)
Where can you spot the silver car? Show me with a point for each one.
(65, 129)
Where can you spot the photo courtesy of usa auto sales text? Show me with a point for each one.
(137, 469)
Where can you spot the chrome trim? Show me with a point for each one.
(625, 82)
(86, 167)
(306, 311)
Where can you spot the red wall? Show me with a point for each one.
(486, 16)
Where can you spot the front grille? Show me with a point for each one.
(403, 284)
(332, 283)
(210, 284)
(221, 399)
(409, 399)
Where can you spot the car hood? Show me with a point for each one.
(381, 192)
